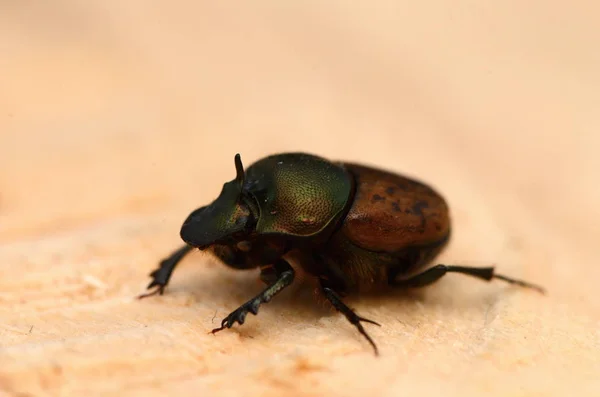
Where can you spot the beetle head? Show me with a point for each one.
(224, 219)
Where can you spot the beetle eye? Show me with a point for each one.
(244, 246)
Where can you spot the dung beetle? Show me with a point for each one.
(351, 226)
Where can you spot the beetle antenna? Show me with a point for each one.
(239, 168)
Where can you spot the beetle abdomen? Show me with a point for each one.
(391, 212)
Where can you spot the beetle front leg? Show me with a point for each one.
(285, 276)
(354, 318)
(161, 276)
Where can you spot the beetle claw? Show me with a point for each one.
(366, 335)
(366, 320)
(238, 315)
(161, 275)
(154, 283)
(224, 325)
(160, 290)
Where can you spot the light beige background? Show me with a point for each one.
(119, 118)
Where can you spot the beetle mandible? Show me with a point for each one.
(351, 226)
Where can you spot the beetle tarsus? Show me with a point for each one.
(433, 274)
(355, 319)
(285, 276)
(161, 276)
(222, 327)
(239, 315)
(158, 291)
(521, 283)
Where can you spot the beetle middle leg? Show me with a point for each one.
(284, 277)
(161, 276)
(433, 274)
(354, 318)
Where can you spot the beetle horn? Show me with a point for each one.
(239, 168)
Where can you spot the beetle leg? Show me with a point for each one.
(285, 276)
(268, 274)
(433, 274)
(161, 276)
(354, 318)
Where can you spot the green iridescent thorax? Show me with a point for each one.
(297, 194)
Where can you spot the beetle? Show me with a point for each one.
(353, 227)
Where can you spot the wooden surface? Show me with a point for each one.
(119, 118)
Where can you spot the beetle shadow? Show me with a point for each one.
(302, 303)
(446, 293)
(227, 289)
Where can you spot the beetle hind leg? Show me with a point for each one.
(354, 318)
(433, 274)
(161, 276)
(284, 277)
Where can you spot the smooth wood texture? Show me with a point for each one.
(119, 118)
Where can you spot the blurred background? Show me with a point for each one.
(123, 106)
(133, 110)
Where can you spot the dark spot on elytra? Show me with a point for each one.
(377, 198)
(437, 226)
(407, 211)
(402, 186)
(419, 205)
(396, 207)
(418, 209)
(390, 190)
